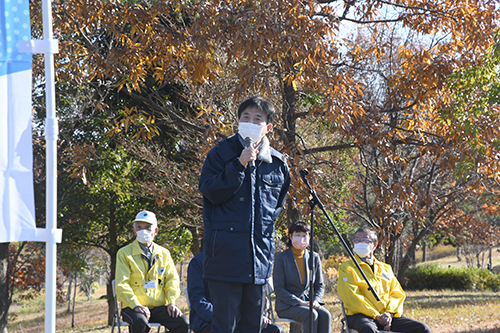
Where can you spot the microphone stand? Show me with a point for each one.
(315, 201)
(312, 204)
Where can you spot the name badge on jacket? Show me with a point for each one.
(150, 285)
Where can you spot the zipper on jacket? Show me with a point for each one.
(213, 243)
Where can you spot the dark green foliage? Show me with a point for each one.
(432, 277)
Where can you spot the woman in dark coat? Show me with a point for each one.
(291, 277)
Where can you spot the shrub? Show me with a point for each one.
(434, 277)
(331, 271)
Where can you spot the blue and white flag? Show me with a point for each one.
(17, 204)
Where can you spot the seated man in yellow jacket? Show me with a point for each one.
(146, 280)
(364, 313)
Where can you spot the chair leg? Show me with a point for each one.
(113, 326)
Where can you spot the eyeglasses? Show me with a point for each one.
(362, 240)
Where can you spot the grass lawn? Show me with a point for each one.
(444, 311)
(446, 257)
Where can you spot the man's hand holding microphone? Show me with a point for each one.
(249, 154)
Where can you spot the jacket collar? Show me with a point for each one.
(264, 149)
(137, 250)
(376, 263)
(291, 257)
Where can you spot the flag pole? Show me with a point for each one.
(51, 133)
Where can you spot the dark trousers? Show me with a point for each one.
(271, 328)
(365, 324)
(140, 324)
(232, 299)
(322, 318)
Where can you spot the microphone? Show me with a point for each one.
(303, 175)
(248, 143)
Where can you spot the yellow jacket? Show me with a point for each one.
(132, 274)
(353, 289)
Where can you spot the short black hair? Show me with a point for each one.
(298, 226)
(261, 104)
(372, 235)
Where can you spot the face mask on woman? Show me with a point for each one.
(144, 236)
(300, 242)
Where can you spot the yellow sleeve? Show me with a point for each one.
(124, 292)
(171, 288)
(396, 298)
(349, 288)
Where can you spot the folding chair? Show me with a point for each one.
(116, 316)
(345, 328)
(297, 325)
(187, 299)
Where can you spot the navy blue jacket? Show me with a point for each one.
(200, 309)
(240, 206)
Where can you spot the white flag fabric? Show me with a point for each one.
(17, 204)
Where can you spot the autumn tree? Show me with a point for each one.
(475, 110)
(25, 275)
(293, 52)
(402, 126)
(187, 64)
(407, 181)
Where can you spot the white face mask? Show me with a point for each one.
(145, 236)
(300, 242)
(250, 130)
(362, 249)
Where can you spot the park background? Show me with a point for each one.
(443, 310)
(392, 107)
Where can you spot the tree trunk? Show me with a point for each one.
(292, 212)
(289, 106)
(5, 299)
(74, 303)
(197, 244)
(111, 301)
(413, 259)
(490, 263)
(424, 252)
(288, 115)
(409, 253)
(113, 249)
(89, 292)
(69, 291)
(394, 252)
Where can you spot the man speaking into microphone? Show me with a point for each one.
(244, 183)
